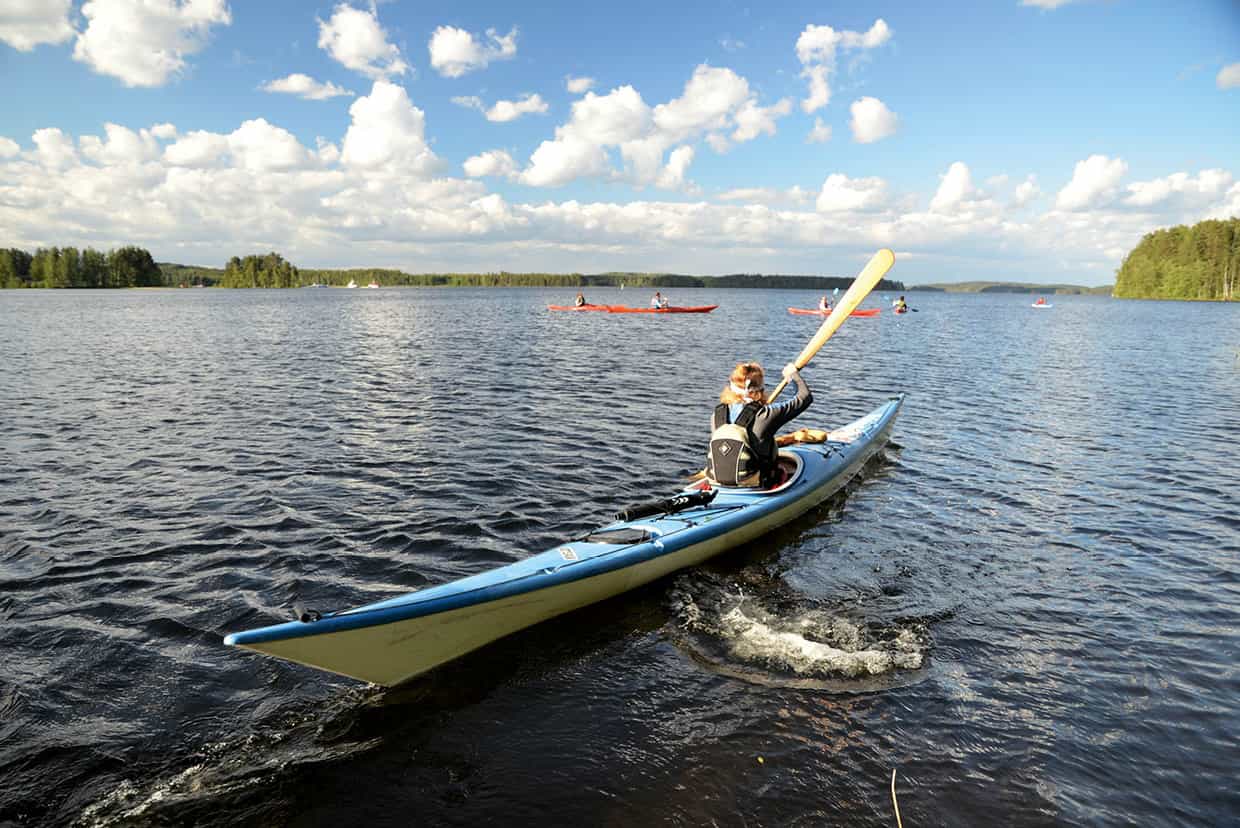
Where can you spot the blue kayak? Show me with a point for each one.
(392, 641)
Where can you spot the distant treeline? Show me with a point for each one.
(133, 267)
(68, 267)
(1198, 262)
(579, 280)
(1014, 287)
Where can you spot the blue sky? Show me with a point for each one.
(986, 140)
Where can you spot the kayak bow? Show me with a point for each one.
(392, 641)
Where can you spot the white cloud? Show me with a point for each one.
(1026, 192)
(597, 121)
(164, 131)
(306, 87)
(8, 147)
(713, 100)
(673, 175)
(144, 42)
(955, 188)
(1094, 181)
(504, 111)
(25, 24)
(710, 98)
(579, 85)
(388, 131)
(818, 48)
(753, 120)
(122, 146)
(843, 194)
(455, 52)
(1186, 191)
(197, 149)
(491, 163)
(766, 195)
(258, 146)
(1047, 5)
(1228, 77)
(872, 120)
(53, 148)
(820, 134)
(355, 39)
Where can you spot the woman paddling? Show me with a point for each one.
(742, 441)
(580, 301)
(824, 304)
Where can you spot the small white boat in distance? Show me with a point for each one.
(351, 284)
(373, 285)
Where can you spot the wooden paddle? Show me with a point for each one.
(861, 287)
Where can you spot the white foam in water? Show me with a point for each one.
(784, 644)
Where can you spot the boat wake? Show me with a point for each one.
(765, 641)
(235, 776)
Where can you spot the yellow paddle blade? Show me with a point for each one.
(860, 288)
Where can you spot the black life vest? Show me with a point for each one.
(736, 457)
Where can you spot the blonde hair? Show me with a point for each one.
(746, 375)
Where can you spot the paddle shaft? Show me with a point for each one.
(860, 288)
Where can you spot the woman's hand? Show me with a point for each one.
(790, 370)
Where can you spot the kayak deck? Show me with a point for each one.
(394, 640)
(669, 309)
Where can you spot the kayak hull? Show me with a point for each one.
(816, 312)
(602, 308)
(670, 309)
(392, 641)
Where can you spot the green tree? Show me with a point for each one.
(133, 267)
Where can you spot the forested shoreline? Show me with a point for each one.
(1198, 262)
(66, 267)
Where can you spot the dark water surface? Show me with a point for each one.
(1029, 605)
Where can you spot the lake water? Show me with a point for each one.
(1029, 605)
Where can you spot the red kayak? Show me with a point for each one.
(578, 307)
(816, 312)
(669, 309)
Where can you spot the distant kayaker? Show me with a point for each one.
(659, 300)
(580, 301)
(742, 441)
(1041, 300)
(900, 305)
(824, 304)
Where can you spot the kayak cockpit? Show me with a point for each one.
(789, 471)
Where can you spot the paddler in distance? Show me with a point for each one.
(900, 305)
(658, 301)
(742, 441)
(824, 304)
(580, 301)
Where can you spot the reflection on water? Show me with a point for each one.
(1030, 595)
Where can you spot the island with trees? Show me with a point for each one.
(1198, 262)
